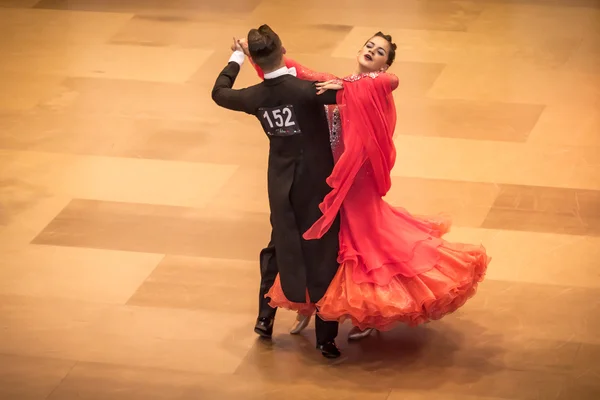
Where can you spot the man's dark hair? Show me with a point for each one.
(265, 47)
(392, 52)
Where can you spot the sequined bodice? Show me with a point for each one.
(356, 77)
(333, 116)
(335, 130)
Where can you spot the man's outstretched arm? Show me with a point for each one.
(223, 93)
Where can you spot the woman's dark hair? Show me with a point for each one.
(265, 47)
(392, 52)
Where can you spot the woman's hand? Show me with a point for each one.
(322, 87)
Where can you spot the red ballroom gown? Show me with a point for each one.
(394, 267)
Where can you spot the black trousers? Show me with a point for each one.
(326, 331)
(268, 273)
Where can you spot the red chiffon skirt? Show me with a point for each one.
(394, 268)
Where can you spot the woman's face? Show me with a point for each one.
(374, 55)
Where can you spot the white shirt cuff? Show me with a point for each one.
(238, 56)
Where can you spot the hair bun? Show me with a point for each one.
(258, 41)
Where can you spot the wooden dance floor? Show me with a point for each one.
(133, 208)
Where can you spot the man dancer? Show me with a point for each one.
(300, 160)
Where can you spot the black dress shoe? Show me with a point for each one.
(329, 350)
(264, 327)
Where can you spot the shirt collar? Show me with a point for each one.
(280, 72)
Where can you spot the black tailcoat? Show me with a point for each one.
(300, 160)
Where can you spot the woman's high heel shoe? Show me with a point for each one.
(301, 322)
(357, 334)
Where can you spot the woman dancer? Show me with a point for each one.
(394, 267)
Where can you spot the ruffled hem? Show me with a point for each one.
(431, 295)
(412, 301)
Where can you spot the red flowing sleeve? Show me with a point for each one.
(368, 117)
(301, 71)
